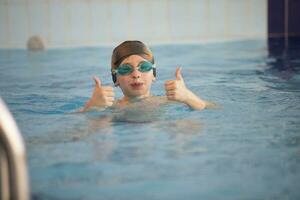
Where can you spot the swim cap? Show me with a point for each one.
(128, 48)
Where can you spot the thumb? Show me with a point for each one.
(97, 81)
(178, 74)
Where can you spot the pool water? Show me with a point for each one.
(249, 148)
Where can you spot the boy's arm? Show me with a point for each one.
(102, 97)
(177, 91)
(194, 101)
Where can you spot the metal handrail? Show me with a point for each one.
(14, 182)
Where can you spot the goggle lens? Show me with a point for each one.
(145, 67)
(124, 69)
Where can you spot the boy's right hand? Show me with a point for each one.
(103, 96)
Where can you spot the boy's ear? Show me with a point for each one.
(117, 82)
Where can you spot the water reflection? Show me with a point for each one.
(286, 66)
(134, 135)
(282, 95)
(282, 70)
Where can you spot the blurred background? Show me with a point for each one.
(74, 23)
(245, 149)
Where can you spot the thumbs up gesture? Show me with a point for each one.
(176, 89)
(103, 96)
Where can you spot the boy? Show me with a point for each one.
(133, 70)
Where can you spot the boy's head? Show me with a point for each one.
(133, 68)
(126, 49)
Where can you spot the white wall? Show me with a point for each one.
(68, 23)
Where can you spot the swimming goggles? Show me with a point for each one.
(126, 69)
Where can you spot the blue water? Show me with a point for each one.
(249, 148)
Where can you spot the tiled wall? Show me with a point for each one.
(67, 23)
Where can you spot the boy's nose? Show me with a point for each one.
(136, 73)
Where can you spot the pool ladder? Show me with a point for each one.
(14, 182)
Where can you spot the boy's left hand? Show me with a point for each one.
(176, 89)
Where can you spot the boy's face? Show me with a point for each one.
(135, 84)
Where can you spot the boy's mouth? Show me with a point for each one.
(136, 86)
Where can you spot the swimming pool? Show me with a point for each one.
(247, 149)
